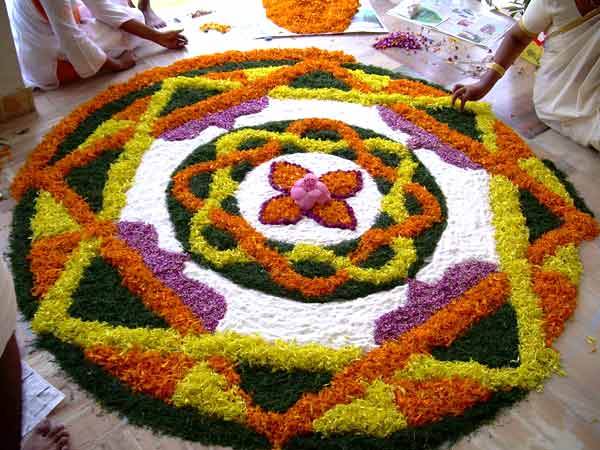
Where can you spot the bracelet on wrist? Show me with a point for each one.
(496, 68)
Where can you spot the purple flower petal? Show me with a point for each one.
(224, 119)
(423, 139)
(424, 299)
(206, 304)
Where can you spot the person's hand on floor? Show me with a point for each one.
(471, 92)
(172, 39)
(123, 62)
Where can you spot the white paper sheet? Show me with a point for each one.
(39, 398)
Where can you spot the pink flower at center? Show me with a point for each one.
(308, 191)
(303, 194)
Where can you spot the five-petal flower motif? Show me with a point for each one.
(304, 195)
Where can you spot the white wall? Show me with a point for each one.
(10, 74)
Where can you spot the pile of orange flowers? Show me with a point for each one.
(312, 16)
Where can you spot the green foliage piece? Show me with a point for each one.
(204, 153)
(378, 258)
(278, 390)
(240, 170)
(577, 199)
(319, 80)
(539, 219)
(374, 70)
(219, 239)
(494, 341)
(426, 242)
(89, 180)
(281, 247)
(462, 121)
(101, 296)
(185, 96)
(346, 153)
(230, 205)
(200, 184)
(344, 248)
(231, 66)
(313, 269)
(412, 204)
(389, 159)
(383, 220)
(252, 143)
(20, 246)
(323, 135)
(384, 186)
(180, 218)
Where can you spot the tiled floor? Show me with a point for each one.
(566, 416)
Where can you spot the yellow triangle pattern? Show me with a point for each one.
(374, 415)
(51, 218)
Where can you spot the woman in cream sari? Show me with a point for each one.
(566, 93)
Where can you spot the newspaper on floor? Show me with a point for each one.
(39, 398)
(469, 21)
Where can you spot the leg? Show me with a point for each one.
(45, 436)
(10, 392)
(152, 20)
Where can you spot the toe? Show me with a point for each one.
(63, 434)
(43, 428)
(56, 430)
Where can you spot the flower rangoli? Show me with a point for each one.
(286, 249)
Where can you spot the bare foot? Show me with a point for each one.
(47, 436)
(152, 20)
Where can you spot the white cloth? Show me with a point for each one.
(41, 43)
(8, 306)
(566, 92)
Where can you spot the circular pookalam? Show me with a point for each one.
(286, 249)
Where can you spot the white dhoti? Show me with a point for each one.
(567, 87)
(44, 40)
(566, 93)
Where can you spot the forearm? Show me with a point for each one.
(140, 29)
(511, 47)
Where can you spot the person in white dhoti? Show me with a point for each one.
(61, 40)
(566, 92)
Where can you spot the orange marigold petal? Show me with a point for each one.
(148, 372)
(47, 259)
(335, 214)
(558, 299)
(284, 174)
(342, 183)
(423, 402)
(280, 210)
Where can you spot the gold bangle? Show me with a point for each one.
(524, 29)
(497, 68)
